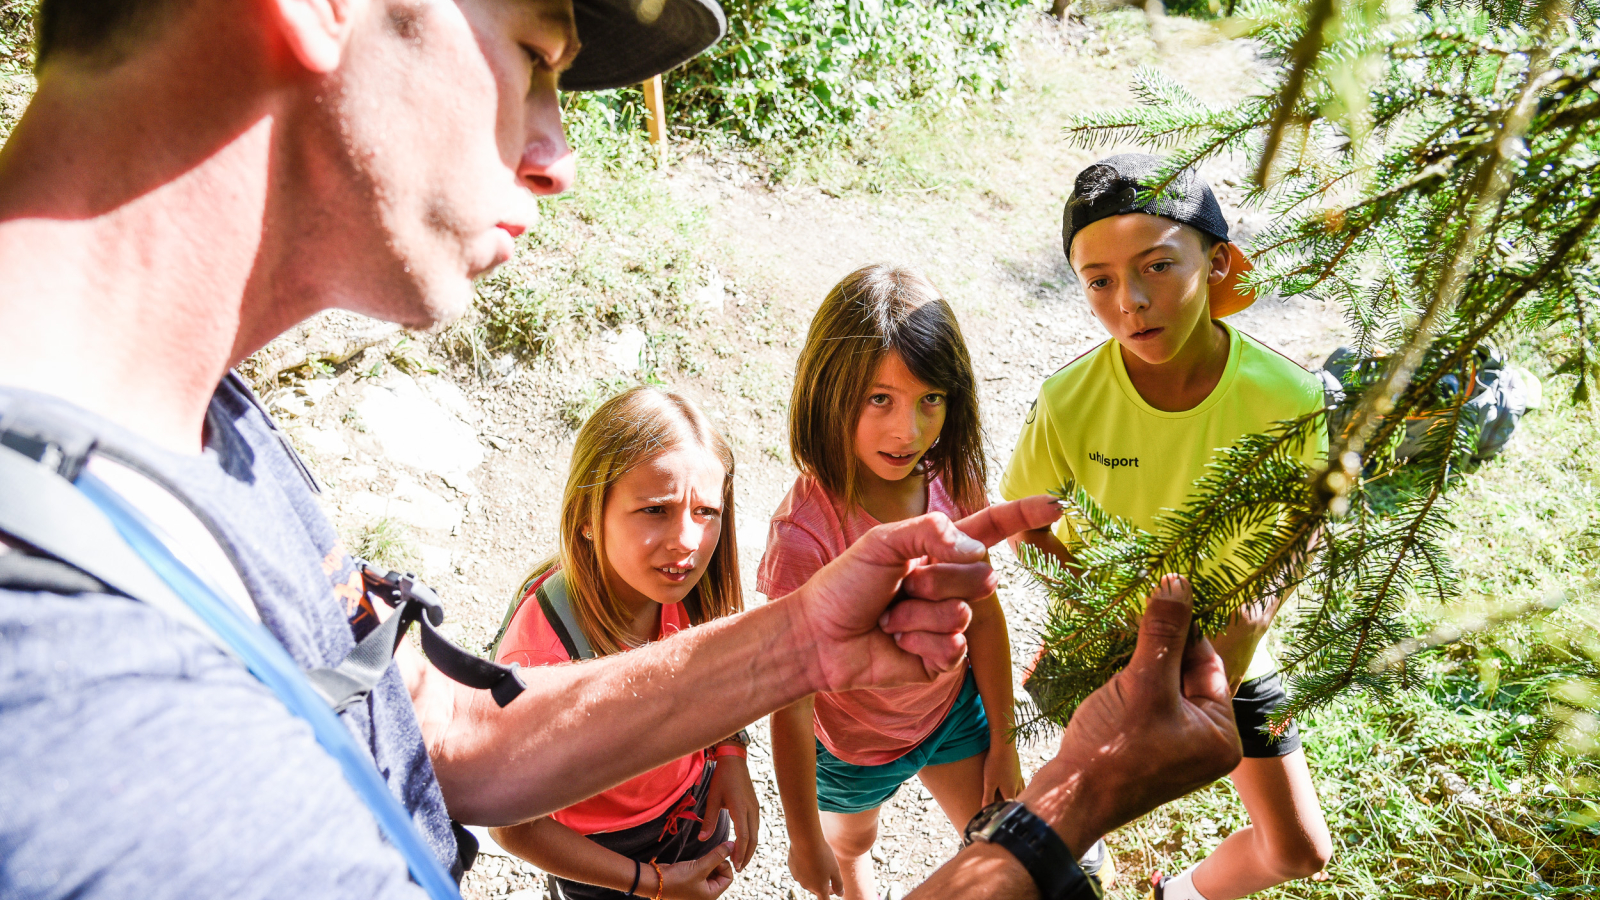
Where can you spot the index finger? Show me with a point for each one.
(994, 524)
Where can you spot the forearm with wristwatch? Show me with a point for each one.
(1013, 853)
(1051, 865)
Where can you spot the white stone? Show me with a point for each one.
(436, 561)
(360, 473)
(448, 395)
(323, 443)
(416, 431)
(290, 405)
(410, 503)
(709, 297)
(317, 389)
(624, 348)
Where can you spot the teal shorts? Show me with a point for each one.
(847, 788)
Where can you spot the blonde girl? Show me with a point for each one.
(883, 427)
(647, 549)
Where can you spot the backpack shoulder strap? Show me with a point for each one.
(55, 521)
(556, 605)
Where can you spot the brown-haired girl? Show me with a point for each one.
(647, 549)
(883, 426)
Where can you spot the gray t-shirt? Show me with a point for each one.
(136, 760)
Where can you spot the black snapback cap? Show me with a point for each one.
(627, 41)
(1113, 187)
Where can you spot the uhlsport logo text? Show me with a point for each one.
(1114, 461)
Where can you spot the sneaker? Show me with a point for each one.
(1098, 863)
(1158, 884)
(1094, 858)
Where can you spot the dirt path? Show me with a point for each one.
(473, 469)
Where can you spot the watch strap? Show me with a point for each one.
(1055, 871)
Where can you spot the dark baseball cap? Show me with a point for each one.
(1121, 184)
(627, 41)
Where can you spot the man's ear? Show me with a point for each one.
(315, 31)
(1221, 263)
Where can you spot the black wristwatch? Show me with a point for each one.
(1036, 845)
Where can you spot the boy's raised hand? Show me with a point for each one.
(892, 609)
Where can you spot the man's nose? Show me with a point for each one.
(548, 170)
(547, 166)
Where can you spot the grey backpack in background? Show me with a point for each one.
(1500, 395)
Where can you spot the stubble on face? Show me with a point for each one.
(418, 178)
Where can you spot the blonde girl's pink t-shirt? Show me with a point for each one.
(866, 727)
(530, 641)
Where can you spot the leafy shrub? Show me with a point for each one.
(795, 70)
(16, 33)
(16, 59)
(617, 249)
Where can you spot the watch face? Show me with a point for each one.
(988, 820)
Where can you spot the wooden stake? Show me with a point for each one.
(658, 116)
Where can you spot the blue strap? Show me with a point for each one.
(268, 661)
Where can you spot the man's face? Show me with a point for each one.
(1148, 279)
(447, 126)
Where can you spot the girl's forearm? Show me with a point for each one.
(989, 648)
(564, 853)
(794, 760)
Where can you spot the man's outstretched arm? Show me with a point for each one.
(1159, 729)
(585, 727)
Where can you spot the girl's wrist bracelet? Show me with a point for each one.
(637, 869)
(722, 750)
(661, 884)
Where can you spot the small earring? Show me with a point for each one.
(588, 535)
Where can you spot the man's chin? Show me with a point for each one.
(420, 304)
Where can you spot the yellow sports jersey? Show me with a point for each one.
(1090, 424)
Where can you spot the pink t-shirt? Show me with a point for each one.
(531, 641)
(866, 727)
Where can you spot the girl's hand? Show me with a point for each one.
(1002, 771)
(697, 879)
(1237, 643)
(731, 790)
(814, 868)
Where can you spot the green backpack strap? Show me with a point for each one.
(549, 588)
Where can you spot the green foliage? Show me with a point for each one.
(384, 542)
(617, 249)
(1434, 172)
(794, 71)
(16, 33)
(16, 60)
(1428, 796)
(1443, 792)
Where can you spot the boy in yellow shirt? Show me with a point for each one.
(1136, 420)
